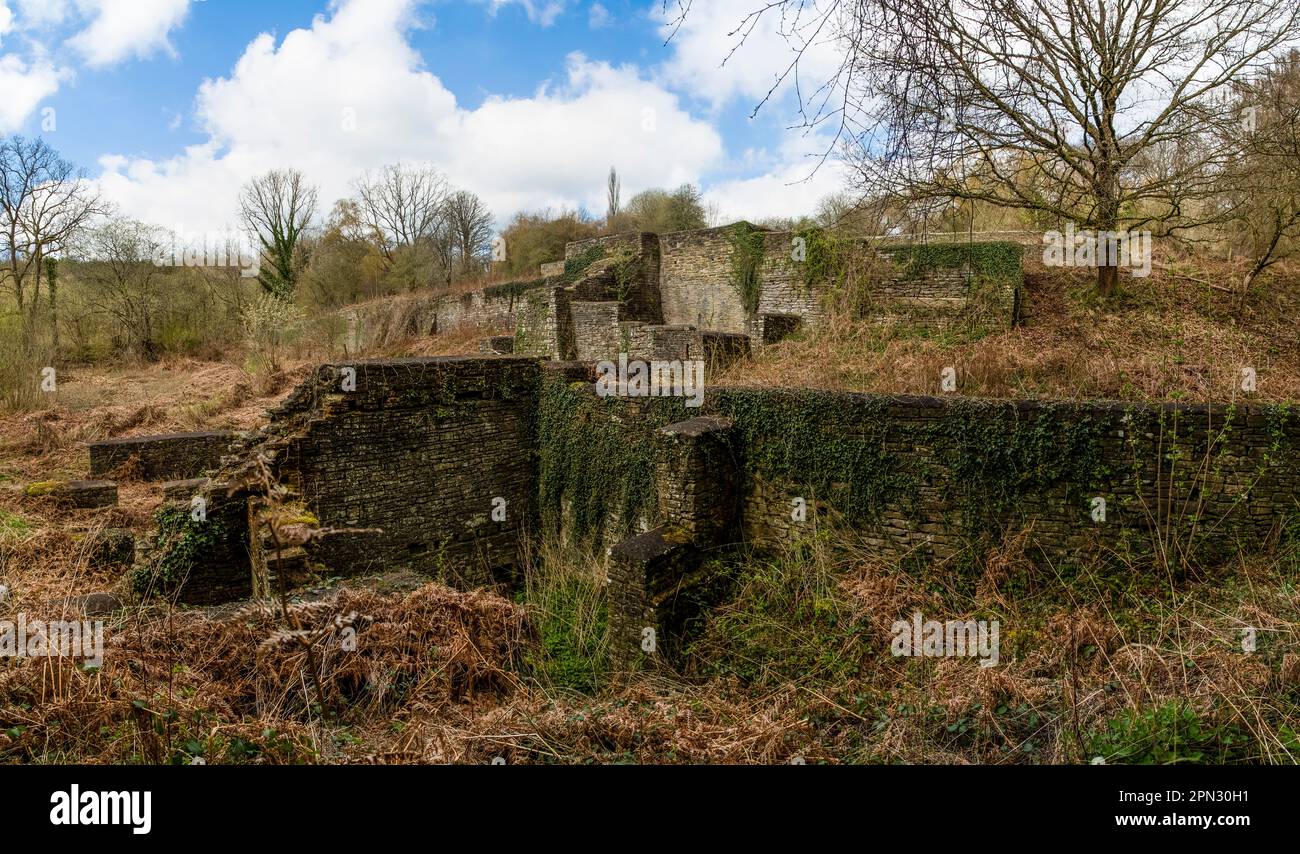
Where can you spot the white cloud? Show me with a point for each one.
(702, 44)
(6, 19)
(24, 85)
(289, 105)
(598, 17)
(41, 13)
(543, 12)
(792, 181)
(127, 28)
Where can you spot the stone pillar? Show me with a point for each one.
(656, 577)
(698, 480)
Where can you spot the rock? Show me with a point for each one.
(96, 604)
(76, 493)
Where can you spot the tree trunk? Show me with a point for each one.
(1107, 279)
(54, 315)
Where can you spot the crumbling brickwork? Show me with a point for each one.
(171, 457)
(696, 281)
(426, 451)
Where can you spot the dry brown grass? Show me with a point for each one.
(437, 675)
(1169, 337)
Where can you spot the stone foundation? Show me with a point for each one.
(170, 457)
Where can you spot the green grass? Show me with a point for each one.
(13, 527)
(1168, 734)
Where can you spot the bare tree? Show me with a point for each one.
(612, 191)
(277, 208)
(404, 210)
(1262, 184)
(469, 223)
(123, 280)
(1054, 107)
(44, 202)
(403, 205)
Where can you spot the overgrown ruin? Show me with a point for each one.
(460, 467)
(713, 294)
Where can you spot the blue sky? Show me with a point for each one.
(171, 104)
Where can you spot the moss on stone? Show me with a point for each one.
(44, 487)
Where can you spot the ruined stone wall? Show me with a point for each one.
(937, 478)
(173, 456)
(934, 478)
(420, 450)
(479, 308)
(544, 324)
(786, 289)
(390, 322)
(936, 286)
(695, 281)
(689, 279)
(639, 291)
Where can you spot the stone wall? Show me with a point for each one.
(410, 464)
(688, 279)
(597, 334)
(939, 478)
(424, 464)
(174, 456)
(424, 450)
(640, 291)
(786, 289)
(695, 281)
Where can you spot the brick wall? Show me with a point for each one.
(932, 477)
(419, 450)
(174, 456)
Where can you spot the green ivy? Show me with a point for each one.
(998, 260)
(179, 542)
(826, 257)
(997, 456)
(831, 444)
(747, 263)
(593, 461)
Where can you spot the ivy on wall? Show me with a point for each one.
(597, 458)
(997, 456)
(747, 263)
(826, 442)
(995, 260)
(573, 268)
(179, 543)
